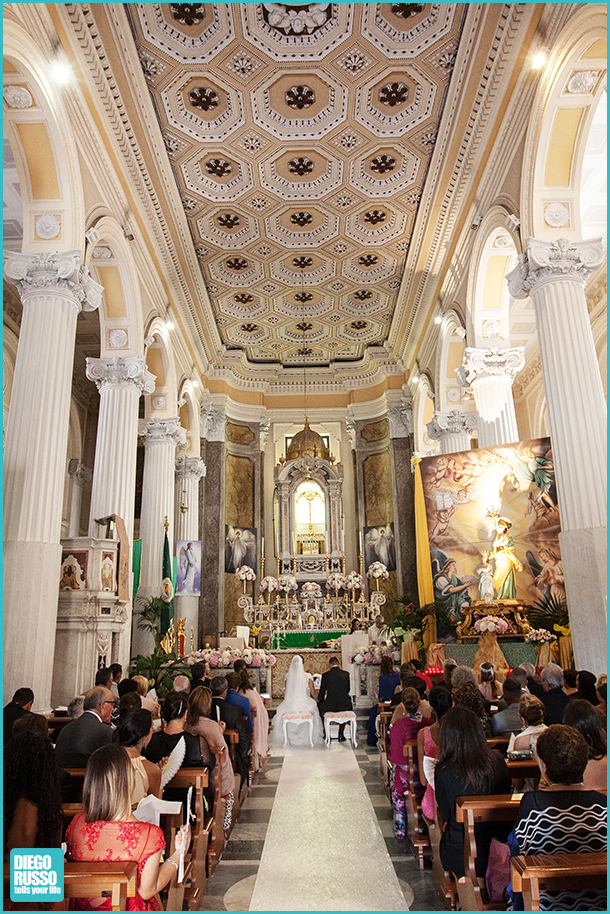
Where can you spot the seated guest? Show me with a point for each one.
(334, 692)
(408, 681)
(569, 682)
(428, 742)
(405, 728)
(130, 701)
(117, 673)
(585, 682)
(149, 704)
(37, 723)
(467, 767)
(553, 697)
(75, 709)
(509, 721)
(534, 682)
(448, 667)
(127, 685)
(389, 679)
(467, 695)
(583, 717)
(20, 704)
(103, 678)
(32, 799)
(489, 687)
(200, 675)
(108, 831)
(531, 712)
(233, 718)
(521, 677)
(561, 817)
(415, 667)
(197, 753)
(182, 684)
(81, 737)
(600, 688)
(261, 721)
(240, 701)
(199, 723)
(134, 734)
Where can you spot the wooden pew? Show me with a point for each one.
(232, 741)
(468, 810)
(89, 880)
(198, 779)
(442, 880)
(519, 769)
(383, 743)
(564, 872)
(253, 754)
(498, 742)
(216, 840)
(417, 841)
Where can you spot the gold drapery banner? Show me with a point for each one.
(425, 585)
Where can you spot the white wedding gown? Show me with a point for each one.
(297, 700)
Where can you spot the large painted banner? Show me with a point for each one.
(493, 525)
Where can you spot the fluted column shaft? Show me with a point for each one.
(491, 373)
(555, 275)
(161, 437)
(53, 288)
(79, 480)
(189, 470)
(453, 429)
(120, 383)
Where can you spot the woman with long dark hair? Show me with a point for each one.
(404, 729)
(467, 767)
(389, 678)
(585, 682)
(583, 717)
(200, 723)
(428, 742)
(32, 800)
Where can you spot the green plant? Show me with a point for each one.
(420, 618)
(158, 668)
(550, 613)
(149, 617)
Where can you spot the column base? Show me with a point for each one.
(583, 553)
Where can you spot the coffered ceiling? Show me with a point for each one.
(300, 137)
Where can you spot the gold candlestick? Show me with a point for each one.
(343, 563)
(260, 599)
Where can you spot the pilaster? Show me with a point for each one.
(453, 429)
(189, 470)
(491, 373)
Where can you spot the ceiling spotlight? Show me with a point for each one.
(60, 72)
(438, 319)
(169, 324)
(540, 59)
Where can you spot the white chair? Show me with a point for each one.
(304, 718)
(340, 717)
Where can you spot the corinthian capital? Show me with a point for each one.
(117, 372)
(190, 468)
(400, 415)
(455, 422)
(545, 261)
(63, 272)
(80, 473)
(493, 362)
(160, 431)
(213, 421)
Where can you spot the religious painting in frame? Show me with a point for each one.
(188, 571)
(240, 548)
(493, 525)
(380, 546)
(73, 570)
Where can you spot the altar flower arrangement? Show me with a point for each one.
(269, 583)
(336, 581)
(354, 581)
(287, 582)
(377, 570)
(252, 656)
(312, 589)
(371, 655)
(491, 624)
(540, 636)
(245, 573)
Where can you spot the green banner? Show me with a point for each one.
(167, 588)
(136, 565)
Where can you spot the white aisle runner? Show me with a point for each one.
(324, 850)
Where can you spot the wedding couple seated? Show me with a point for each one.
(298, 719)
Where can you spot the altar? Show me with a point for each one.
(306, 637)
(315, 661)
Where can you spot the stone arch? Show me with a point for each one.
(163, 402)
(42, 141)
(111, 262)
(423, 412)
(450, 351)
(571, 86)
(189, 416)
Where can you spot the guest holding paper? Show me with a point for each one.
(134, 734)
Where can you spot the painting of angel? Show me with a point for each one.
(240, 548)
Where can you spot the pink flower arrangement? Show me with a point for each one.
(368, 657)
(377, 570)
(336, 581)
(245, 573)
(491, 624)
(256, 661)
(255, 657)
(540, 636)
(354, 581)
(269, 583)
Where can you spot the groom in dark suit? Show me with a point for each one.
(334, 693)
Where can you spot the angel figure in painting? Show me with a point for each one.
(240, 549)
(506, 561)
(486, 579)
(379, 546)
(547, 569)
(188, 567)
(529, 467)
(452, 591)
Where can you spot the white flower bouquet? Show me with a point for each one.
(540, 636)
(287, 582)
(354, 581)
(269, 583)
(336, 581)
(377, 570)
(312, 589)
(245, 573)
(217, 658)
(491, 624)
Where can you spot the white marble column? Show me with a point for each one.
(491, 373)
(554, 274)
(79, 480)
(120, 381)
(453, 429)
(161, 438)
(189, 470)
(54, 288)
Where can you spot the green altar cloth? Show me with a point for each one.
(306, 637)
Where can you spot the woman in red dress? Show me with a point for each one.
(107, 831)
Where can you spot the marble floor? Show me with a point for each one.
(233, 887)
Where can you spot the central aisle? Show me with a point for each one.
(324, 849)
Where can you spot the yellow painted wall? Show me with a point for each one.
(40, 161)
(110, 278)
(154, 363)
(561, 147)
(494, 282)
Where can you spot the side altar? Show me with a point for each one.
(512, 612)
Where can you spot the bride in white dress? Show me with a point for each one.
(297, 700)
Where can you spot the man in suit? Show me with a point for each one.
(509, 721)
(334, 693)
(234, 719)
(553, 697)
(20, 704)
(81, 737)
(200, 673)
